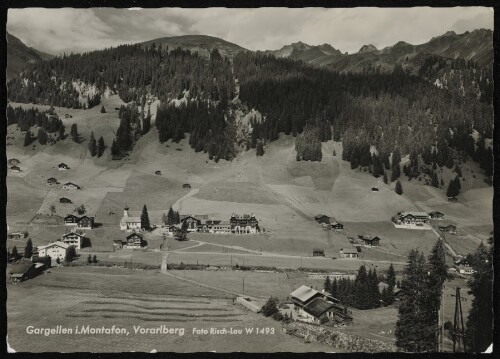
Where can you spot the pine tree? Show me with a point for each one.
(115, 150)
(94, 259)
(27, 138)
(327, 285)
(435, 181)
(396, 159)
(171, 217)
(74, 132)
(42, 136)
(14, 253)
(391, 276)
(28, 249)
(145, 218)
(70, 254)
(399, 188)
(479, 328)
(103, 110)
(260, 149)
(92, 145)
(413, 331)
(89, 259)
(100, 147)
(385, 178)
(452, 190)
(438, 273)
(61, 134)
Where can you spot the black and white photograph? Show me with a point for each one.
(256, 180)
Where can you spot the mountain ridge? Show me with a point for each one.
(20, 56)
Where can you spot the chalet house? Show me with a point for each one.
(186, 185)
(245, 223)
(348, 253)
(314, 307)
(71, 220)
(24, 269)
(337, 226)
(15, 169)
(63, 167)
(158, 173)
(318, 253)
(322, 218)
(15, 235)
(436, 215)
(13, 162)
(85, 222)
(64, 200)
(369, 240)
(132, 241)
(195, 223)
(451, 229)
(73, 239)
(52, 181)
(374, 189)
(54, 250)
(218, 226)
(464, 269)
(128, 223)
(70, 186)
(462, 261)
(413, 220)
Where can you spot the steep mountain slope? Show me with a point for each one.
(20, 56)
(202, 44)
(476, 46)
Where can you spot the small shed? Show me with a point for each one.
(158, 173)
(318, 253)
(186, 185)
(374, 189)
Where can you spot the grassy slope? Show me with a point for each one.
(283, 194)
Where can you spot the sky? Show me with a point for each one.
(77, 30)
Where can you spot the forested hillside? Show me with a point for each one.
(374, 113)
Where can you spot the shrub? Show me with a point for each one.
(271, 307)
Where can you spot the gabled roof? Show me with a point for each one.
(135, 234)
(71, 184)
(20, 267)
(349, 250)
(304, 293)
(72, 234)
(62, 164)
(414, 214)
(127, 219)
(70, 216)
(318, 306)
(55, 244)
(319, 216)
(51, 179)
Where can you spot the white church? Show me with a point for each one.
(129, 223)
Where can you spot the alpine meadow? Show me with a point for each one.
(179, 192)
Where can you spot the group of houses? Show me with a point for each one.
(132, 241)
(416, 220)
(238, 224)
(52, 181)
(329, 223)
(462, 266)
(84, 222)
(312, 306)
